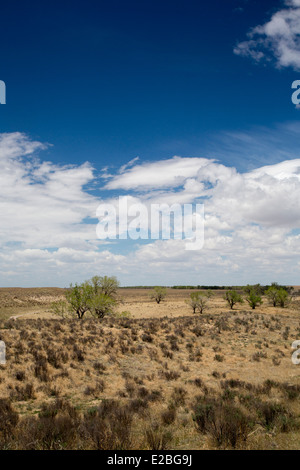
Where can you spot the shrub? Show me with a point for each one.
(41, 369)
(224, 422)
(157, 438)
(271, 412)
(168, 416)
(179, 396)
(20, 375)
(109, 426)
(60, 308)
(219, 358)
(8, 420)
(54, 429)
(23, 393)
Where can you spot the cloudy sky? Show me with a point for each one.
(162, 102)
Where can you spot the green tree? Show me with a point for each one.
(209, 293)
(105, 285)
(96, 296)
(159, 294)
(253, 299)
(60, 308)
(255, 287)
(198, 300)
(282, 297)
(277, 295)
(193, 300)
(79, 297)
(272, 295)
(233, 297)
(101, 305)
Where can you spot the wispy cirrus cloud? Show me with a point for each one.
(277, 40)
(172, 172)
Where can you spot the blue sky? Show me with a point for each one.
(106, 82)
(112, 80)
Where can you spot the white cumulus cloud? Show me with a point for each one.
(252, 221)
(278, 39)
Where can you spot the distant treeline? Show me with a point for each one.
(178, 287)
(258, 287)
(139, 287)
(203, 287)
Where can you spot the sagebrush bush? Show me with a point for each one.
(157, 438)
(225, 423)
(8, 421)
(109, 426)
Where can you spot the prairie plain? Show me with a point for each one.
(154, 376)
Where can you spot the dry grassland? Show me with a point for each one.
(162, 378)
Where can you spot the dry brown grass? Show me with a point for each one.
(155, 364)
